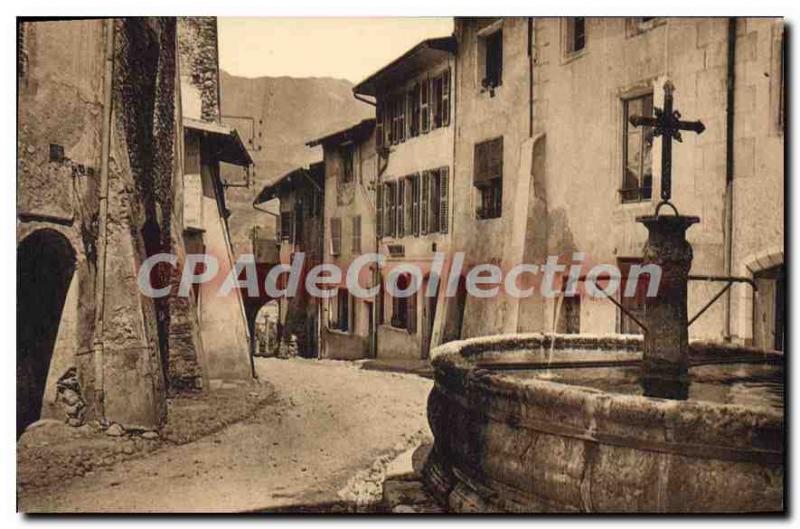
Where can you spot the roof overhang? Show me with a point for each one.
(311, 176)
(424, 55)
(355, 134)
(225, 141)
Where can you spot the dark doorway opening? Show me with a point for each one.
(45, 266)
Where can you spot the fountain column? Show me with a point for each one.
(666, 343)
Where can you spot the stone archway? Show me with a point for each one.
(45, 266)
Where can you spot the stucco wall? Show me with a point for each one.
(346, 200)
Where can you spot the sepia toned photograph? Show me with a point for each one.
(401, 265)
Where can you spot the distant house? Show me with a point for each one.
(350, 172)
(299, 229)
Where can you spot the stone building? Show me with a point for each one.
(351, 165)
(547, 164)
(414, 138)
(100, 188)
(208, 145)
(300, 194)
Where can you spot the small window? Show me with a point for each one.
(575, 35)
(637, 25)
(347, 154)
(493, 60)
(336, 236)
(637, 147)
(488, 178)
(397, 119)
(356, 234)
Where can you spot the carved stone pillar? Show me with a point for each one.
(666, 344)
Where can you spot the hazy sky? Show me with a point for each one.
(348, 48)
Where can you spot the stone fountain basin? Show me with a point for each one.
(505, 443)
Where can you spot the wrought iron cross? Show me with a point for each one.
(667, 123)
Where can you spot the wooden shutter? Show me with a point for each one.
(379, 130)
(446, 98)
(415, 204)
(379, 210)
(411, 308)
(488, 160)
(424, 105)
(336, 236)
(401, 117)
(356, 242)
(443, 198)
(401, 210)
(391, 218)
(388, 212)
(278, 229)
(424, 202)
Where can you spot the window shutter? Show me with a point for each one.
(443, 198)
(379, 211)
(415, 204)
(389, 198)
(401, 118)
(278, 229)
(356, 242)
(446, 98)
(488, 160)
(411, 309)
(379, 117)
(424, 105)
(401, 210)
(424, 201)
(336, 236)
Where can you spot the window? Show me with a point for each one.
(488, 178)
(414, 111)
(396, 120)
(336, 236)
(404, 310)
(356, 234)
(633, 304)
(347, 154)
(434, 205)
(637, 147)
(412, 204)
(575, 35)
(424, 105)
(440, 93)
(286, 226)
(492, 59)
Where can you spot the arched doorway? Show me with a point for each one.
(45, 265)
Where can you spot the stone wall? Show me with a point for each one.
(199, 58)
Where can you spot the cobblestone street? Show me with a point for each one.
(326, 441)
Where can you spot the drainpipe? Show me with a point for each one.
(729, 144)
(102, 236)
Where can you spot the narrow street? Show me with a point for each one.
(318, 445)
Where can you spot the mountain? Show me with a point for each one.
(287, 113)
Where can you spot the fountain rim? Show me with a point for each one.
(689, 427)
